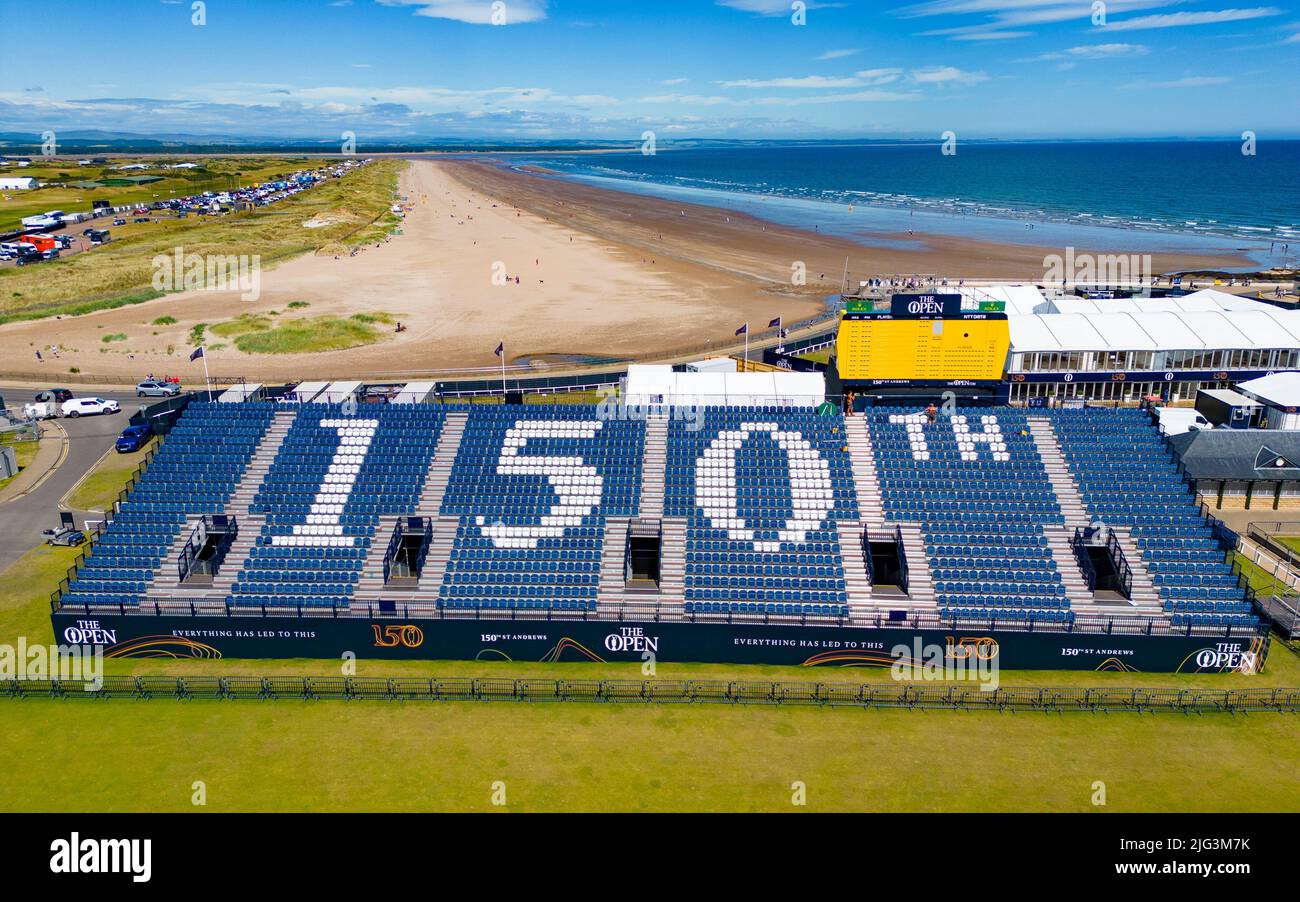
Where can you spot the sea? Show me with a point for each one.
(1199, 197)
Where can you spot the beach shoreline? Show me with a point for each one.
(553, 268)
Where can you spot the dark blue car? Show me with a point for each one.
(133, 438)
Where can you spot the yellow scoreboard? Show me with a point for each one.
(932, 347)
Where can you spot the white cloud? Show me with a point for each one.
(1177, 20)
(674, 81)
(807, 81)
(1192, 81)
(1095, 52)
(770, 7)
(836, 54)
(947, 75)
(475, 12)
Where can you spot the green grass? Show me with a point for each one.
(1260, 580)
(145, 756)
(165, 321)
(298, 305)
(121, 272)
(106, 479)
(242, 325)
(320, 756)
(311, 335)
(24, 454)
(112, 337)
(822, 356)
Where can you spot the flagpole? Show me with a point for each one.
(747, 347)
(206, 377)
(503, 371)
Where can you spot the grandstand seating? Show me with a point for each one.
(763, 493)
(194, 472)
(976, 485)
(762, 489)
(533, 486)
(331, 481)
(1127, 476)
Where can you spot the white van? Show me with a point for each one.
(1176, 420)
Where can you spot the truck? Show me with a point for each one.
(42, 243)
(1176, 421)
(42, 223)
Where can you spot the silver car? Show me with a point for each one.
(157, 390)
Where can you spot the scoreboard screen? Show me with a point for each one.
(935, 346)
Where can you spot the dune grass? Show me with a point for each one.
(242, 325)
(122, 272)
(309, 335)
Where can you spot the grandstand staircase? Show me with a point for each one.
(1058, 473)
(370, 585)
(920, 581)
(654, 462)
(1059, 541)
(672, 562)
(444, 458)
(866, 482)
(857, 584)
(165, 583)
(613, 591)
(613, 561)
(1144, 594)
(1068, 499)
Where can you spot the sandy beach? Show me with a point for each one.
(547, 266)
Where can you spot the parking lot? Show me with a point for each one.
(88, 439)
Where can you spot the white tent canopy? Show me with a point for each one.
(656, 384)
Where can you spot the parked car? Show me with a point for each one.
(133, 438)
(142, 219)
(119, 221)
(63, 536)
(55, 394)
(154, 389)
(89, 406)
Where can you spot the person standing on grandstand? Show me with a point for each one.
(931, 412)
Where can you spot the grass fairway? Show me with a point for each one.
(379, 756)
(336, 756)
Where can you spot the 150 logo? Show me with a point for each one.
(394, 635)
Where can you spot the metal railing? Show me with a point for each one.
(650, 612)
(1120, 561)
(226, 526)
(1079, 545)
(911, 696)
(904, 574)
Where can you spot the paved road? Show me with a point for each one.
(22, 519)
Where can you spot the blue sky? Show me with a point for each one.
(560, 69)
